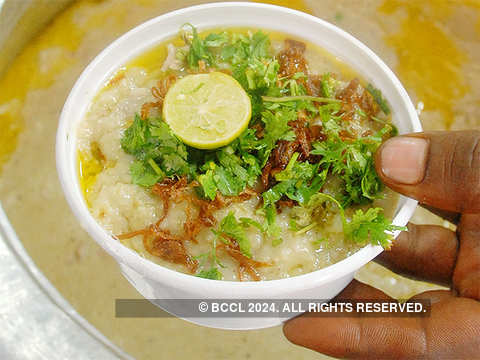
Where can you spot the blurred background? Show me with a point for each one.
(433, 46)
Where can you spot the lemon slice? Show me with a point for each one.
(207, 111)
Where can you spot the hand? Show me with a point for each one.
(442, 171)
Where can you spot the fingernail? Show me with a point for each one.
(404, 159)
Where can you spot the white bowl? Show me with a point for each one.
(156, 282)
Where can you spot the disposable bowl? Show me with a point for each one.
(156, 282)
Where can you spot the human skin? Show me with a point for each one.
(442, 171)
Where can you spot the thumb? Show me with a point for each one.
(440, 169)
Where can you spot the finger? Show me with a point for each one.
(466, 277)
(426, 252)
(434, 296)
(453, 328)
(451, 331)
(439, 169)
(358, 337)
(453, 217)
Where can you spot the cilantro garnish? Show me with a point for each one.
(276, 103)
(160, 154)
(144, 175)
(157, 151)
(377, 95)
(198, 47)
(213, 274)
(368, 227)
(300, 98)
(328, 87)
(352, 161)
(276, 128)
(298, 182)
(246, 222)
(231, 228)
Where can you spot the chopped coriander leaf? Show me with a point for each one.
(247, 222)
(159, 154)
(230, 227)
(248, 141)
(306, 228)
(328, 114)
(208, 184)
(143, 174)
(202, 258)
(370, 227)
(377, 95)
(253, 168)
(319, 198)
(299, 181)
(198, 49)
(260, 44)
(370, 183)
(212, 274)
(292, 224)
(300, 98)
(155, 167)
(210, 256)
(229, 160)
(317, 210)
(306, 191)
(276, 128)
(352, 161)
(276, 192)
(157, 151)
(229, 169)
(327, 86)
(253, 66)
(360, 112)
(135, 137)
(393, 131)
(299, 75)
(216, 40)
(277, 241)
(271, 226)
(322, 242)
(228, 184)
(287, 173)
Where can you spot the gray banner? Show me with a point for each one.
(278, 308)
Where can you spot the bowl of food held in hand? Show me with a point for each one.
(227, 151)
